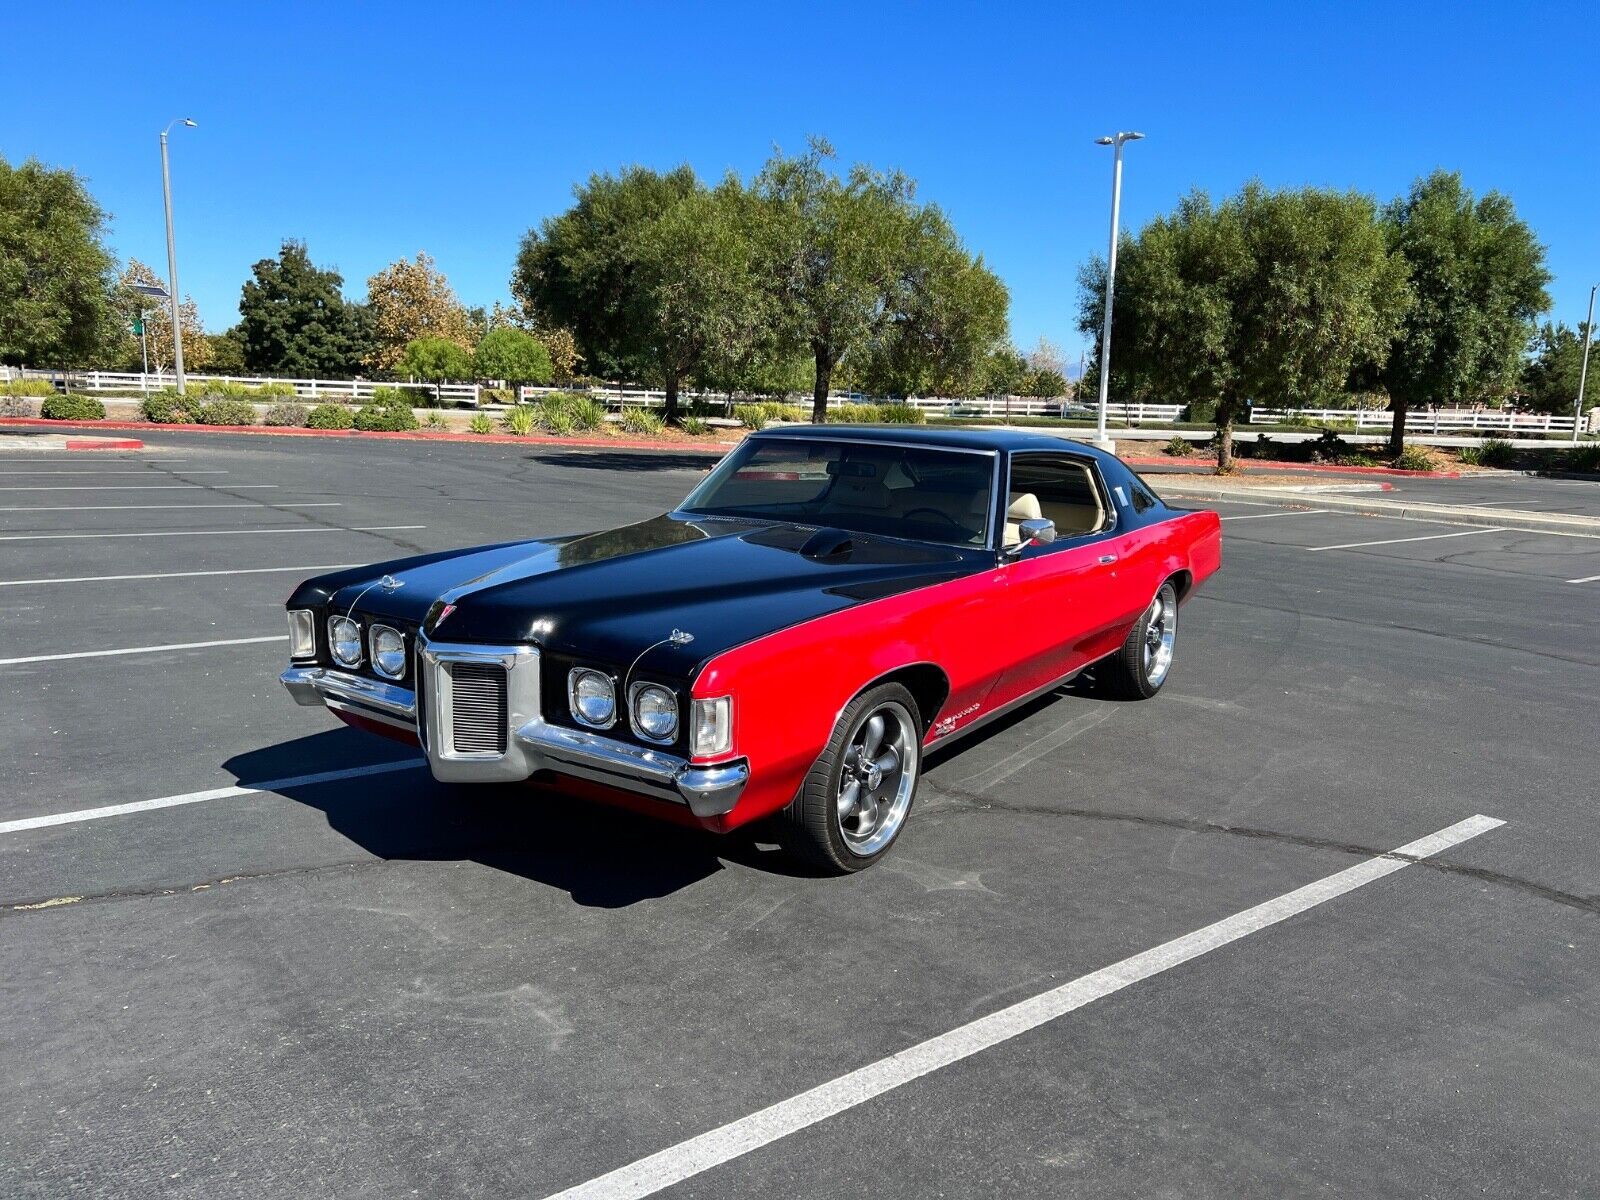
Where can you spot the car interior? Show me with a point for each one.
(1059, 490)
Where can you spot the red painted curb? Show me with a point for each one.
(413, 436)
(104, 444)
(1167, 460)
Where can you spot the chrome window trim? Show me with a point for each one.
(638, 686)
(1096, 480)
(372, 653)
(572, 697)
(361, 643)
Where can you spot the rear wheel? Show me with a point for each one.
(856, 798)
(1137, 671)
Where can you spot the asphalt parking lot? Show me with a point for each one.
(373, 985)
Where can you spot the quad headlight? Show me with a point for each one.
(344, 639)
(592, 698)
(655, 712)
(302, 633)
(388, 647)
(711, 727)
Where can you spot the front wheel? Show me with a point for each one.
(1137, 671)
(856, 798)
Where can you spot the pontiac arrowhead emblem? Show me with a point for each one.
(443, 613)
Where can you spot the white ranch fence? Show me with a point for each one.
(1441, 420)
(352, 390)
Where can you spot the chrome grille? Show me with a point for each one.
(477, 708)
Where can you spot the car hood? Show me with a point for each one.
(611, 595)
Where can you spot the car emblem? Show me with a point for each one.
(443, 613)
(390, 584)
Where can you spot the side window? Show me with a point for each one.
(1143, 498)
(1059, 489)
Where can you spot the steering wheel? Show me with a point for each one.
(941, 514)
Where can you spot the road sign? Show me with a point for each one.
(138, 326)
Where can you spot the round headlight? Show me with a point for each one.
(592, 697)
(655, 712)
(344, 638)
(388, 651)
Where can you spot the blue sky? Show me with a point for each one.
(374, 131)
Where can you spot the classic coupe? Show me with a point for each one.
(828, 604)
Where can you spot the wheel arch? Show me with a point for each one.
(926, 681)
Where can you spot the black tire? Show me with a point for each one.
(1138, 670)
(813, 825)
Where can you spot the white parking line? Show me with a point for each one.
(37, 658)
(173, 575)
(1585, 579)
(173, 507)
(47, 537)
(690, 1158)
(128, 487)
(223, 793)
(92, 471)
(1430, 537)
(1305, 512)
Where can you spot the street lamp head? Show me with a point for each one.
(189, 121)
(1105, 141)
(1127, 137)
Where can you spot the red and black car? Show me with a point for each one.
(828, 604)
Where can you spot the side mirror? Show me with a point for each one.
(1037, 529)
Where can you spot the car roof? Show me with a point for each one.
(961, 438)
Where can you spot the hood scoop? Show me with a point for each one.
(828, 545)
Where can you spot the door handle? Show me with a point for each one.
(1107, 558)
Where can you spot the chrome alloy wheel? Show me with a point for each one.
(1160, 631)
(878, 777)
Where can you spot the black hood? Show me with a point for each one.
(612, 594)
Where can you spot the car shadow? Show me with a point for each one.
(1083, 687)
(623, 460)
(603, 857)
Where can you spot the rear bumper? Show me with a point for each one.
(531, 745)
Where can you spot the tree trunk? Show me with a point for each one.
(819, 392)
(1397, 432)
(670, 412)
(1224, 447)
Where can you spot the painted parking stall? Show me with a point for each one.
(1110, 929)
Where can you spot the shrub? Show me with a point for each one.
(285, 414)
(227, 412)
(330, 416)
(1470, 456)
(1417, 458)
(521, 420)
(1180, 447)
(586, 412)
(902, 414)
(391, 414)
(1361, 459)
(404, 397)
(777, 410)
(855, 414)
(751, 416)
(68, 407)
(496, 396)
(696, 426)
(1582, 458)
(271, 391)
(166, 407)
(642, 421)
(480, 423)
(1329, 447)
(1200, 412)
(28, 387)
(557, 421)
(1497, 452)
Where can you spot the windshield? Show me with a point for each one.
(914, 492)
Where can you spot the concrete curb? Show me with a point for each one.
(511, 439)
(1449, 514)
(1269, 465)
(51, 441)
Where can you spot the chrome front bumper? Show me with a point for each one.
(532, 745)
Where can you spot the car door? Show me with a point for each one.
(1064, 602)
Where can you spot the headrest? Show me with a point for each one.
(1024, 507)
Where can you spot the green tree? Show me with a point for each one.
(1478, 278)
(407, 300)
(294, 319)
(579, 269)
(227, 353)
(1269, 297)
(56, 275)
(158, 323)
(514, 355)
(1044, 384)
(1550, 375)
(436, 359)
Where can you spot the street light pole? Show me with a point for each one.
(172, 254)
(1116, 143)
(1583, 371)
